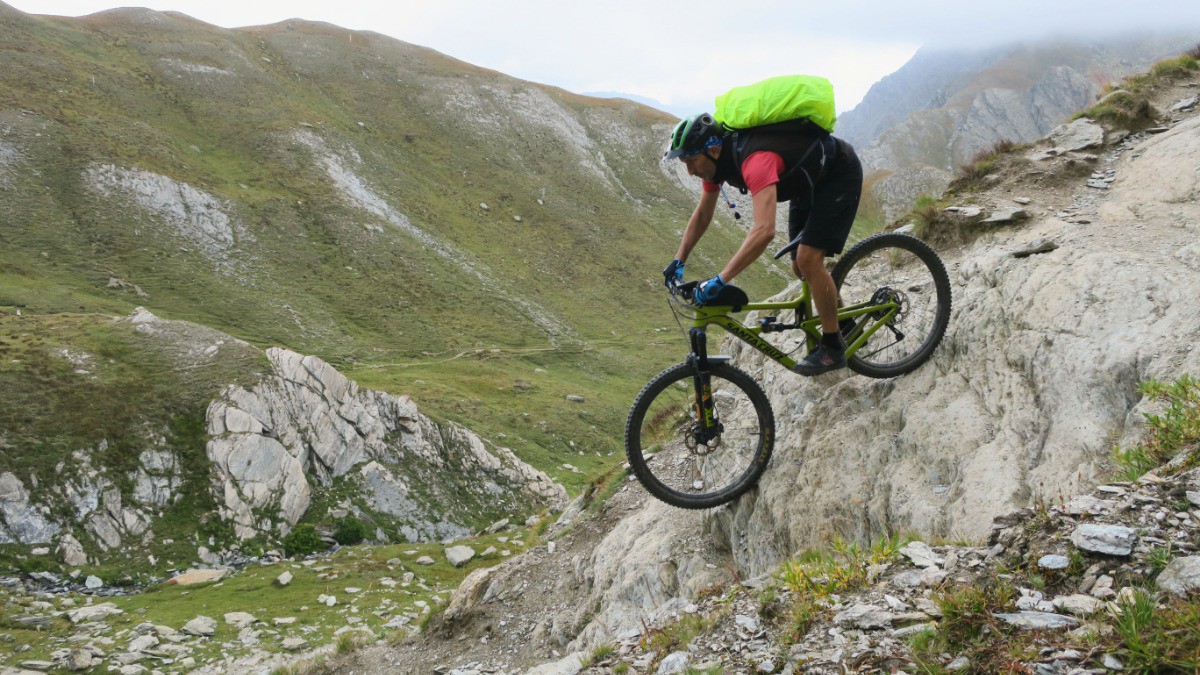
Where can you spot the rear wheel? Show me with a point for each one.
(665, 445)
(900, 269)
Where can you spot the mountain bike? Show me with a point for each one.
(700, 433)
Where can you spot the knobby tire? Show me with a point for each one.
(661, 419)
(910, 267)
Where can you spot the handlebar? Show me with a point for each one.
(682, 290)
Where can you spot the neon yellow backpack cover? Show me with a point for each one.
(778, 99)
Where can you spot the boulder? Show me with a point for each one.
(921, 555)
(200, 626)
(239, 619)
(79, 659)
(70, 551)
(1081, 134)
(1115, 540)
(93, 612)
(1181, 576)
(284, 579)
(460, 555)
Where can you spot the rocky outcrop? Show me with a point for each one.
(22, 522)
(921, 123)
(308, 425)
(1036, 378)
(273, 445)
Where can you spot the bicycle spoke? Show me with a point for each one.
(894, 270)
(699, 471)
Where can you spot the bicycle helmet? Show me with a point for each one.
(691, 135)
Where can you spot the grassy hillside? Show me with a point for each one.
(486, 245)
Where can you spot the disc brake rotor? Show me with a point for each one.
(694, 446)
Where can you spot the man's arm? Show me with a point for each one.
(697, 224)
(759, 236)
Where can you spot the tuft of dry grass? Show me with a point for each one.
(984, 162)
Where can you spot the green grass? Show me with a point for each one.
(311, 271)
(254, 590)
(1173, 431)
(1159, 636)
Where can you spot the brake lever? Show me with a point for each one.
(685, 291)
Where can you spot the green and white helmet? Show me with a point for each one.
(692, 135)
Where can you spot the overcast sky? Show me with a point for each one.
(682, 54)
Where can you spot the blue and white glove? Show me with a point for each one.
(674, 271)
(708, 290)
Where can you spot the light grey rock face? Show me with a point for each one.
(1077, 604)
(1106, 539)
(568, 665)
(157, 479)
(1012, 407)
(675, 662)
(196, 216)
(308, 422)
(22, 522)
(1181, 576)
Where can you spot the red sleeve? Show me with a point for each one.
(761, 169)
(710, 186)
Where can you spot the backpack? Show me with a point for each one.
(778, 99)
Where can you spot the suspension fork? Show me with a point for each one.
(707, 425)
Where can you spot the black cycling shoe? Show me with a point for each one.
(822, 360)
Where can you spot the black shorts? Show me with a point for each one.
(826, 219)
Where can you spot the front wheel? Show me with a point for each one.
(671, 455)
(902, 271)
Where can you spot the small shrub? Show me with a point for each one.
(984, 162)
(352, 641)
(928, 220)
(1176, 430)
(349, 531)
(303, 540)
(1122, 109)
(968, 612)
(1194, 52)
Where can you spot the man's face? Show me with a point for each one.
(702, 165)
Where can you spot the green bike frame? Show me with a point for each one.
(808, 321)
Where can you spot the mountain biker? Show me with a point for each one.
(821, 178)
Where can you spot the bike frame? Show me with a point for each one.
(808, 322)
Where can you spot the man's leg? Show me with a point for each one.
(810, 262)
